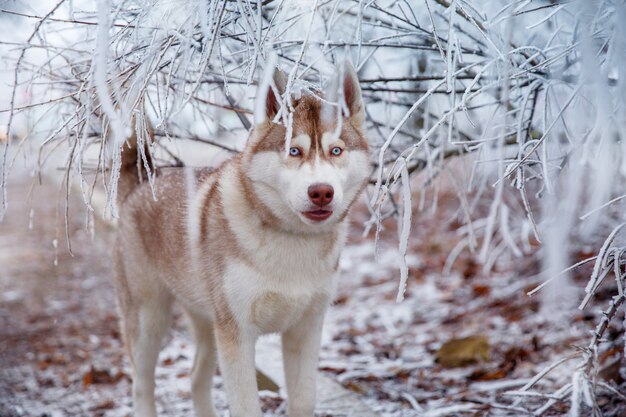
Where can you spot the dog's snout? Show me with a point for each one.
(321, 194)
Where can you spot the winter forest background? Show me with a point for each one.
(494, 216)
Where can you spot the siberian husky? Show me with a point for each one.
(249, 248)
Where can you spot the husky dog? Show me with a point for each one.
(247, 249)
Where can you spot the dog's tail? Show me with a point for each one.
(136, 165)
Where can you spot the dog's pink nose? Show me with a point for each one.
(321, 194)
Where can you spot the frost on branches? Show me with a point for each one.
(526, 97)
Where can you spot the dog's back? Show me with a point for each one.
(155, 231)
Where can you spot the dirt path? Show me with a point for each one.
(59, 333)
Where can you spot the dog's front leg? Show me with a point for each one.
(236, 359)
(300, 355)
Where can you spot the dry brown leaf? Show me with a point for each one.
(464, 351)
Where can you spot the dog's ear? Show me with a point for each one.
(346, 92)
(352, 95)
(272, 86)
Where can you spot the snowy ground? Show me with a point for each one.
(61, 354)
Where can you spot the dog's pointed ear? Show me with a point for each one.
(352, 95)
(271, 87)
(346, 92)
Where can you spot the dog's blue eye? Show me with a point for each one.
(336, 151)
(294, 151)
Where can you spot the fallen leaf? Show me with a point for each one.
(105, 405)
(100, 376)
(481, 290)
(465, 351)
(265, 383)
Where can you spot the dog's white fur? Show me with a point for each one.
(235, 249)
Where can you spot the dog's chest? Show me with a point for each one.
(273, 302)
(273, 311)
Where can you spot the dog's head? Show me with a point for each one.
(309, 169)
